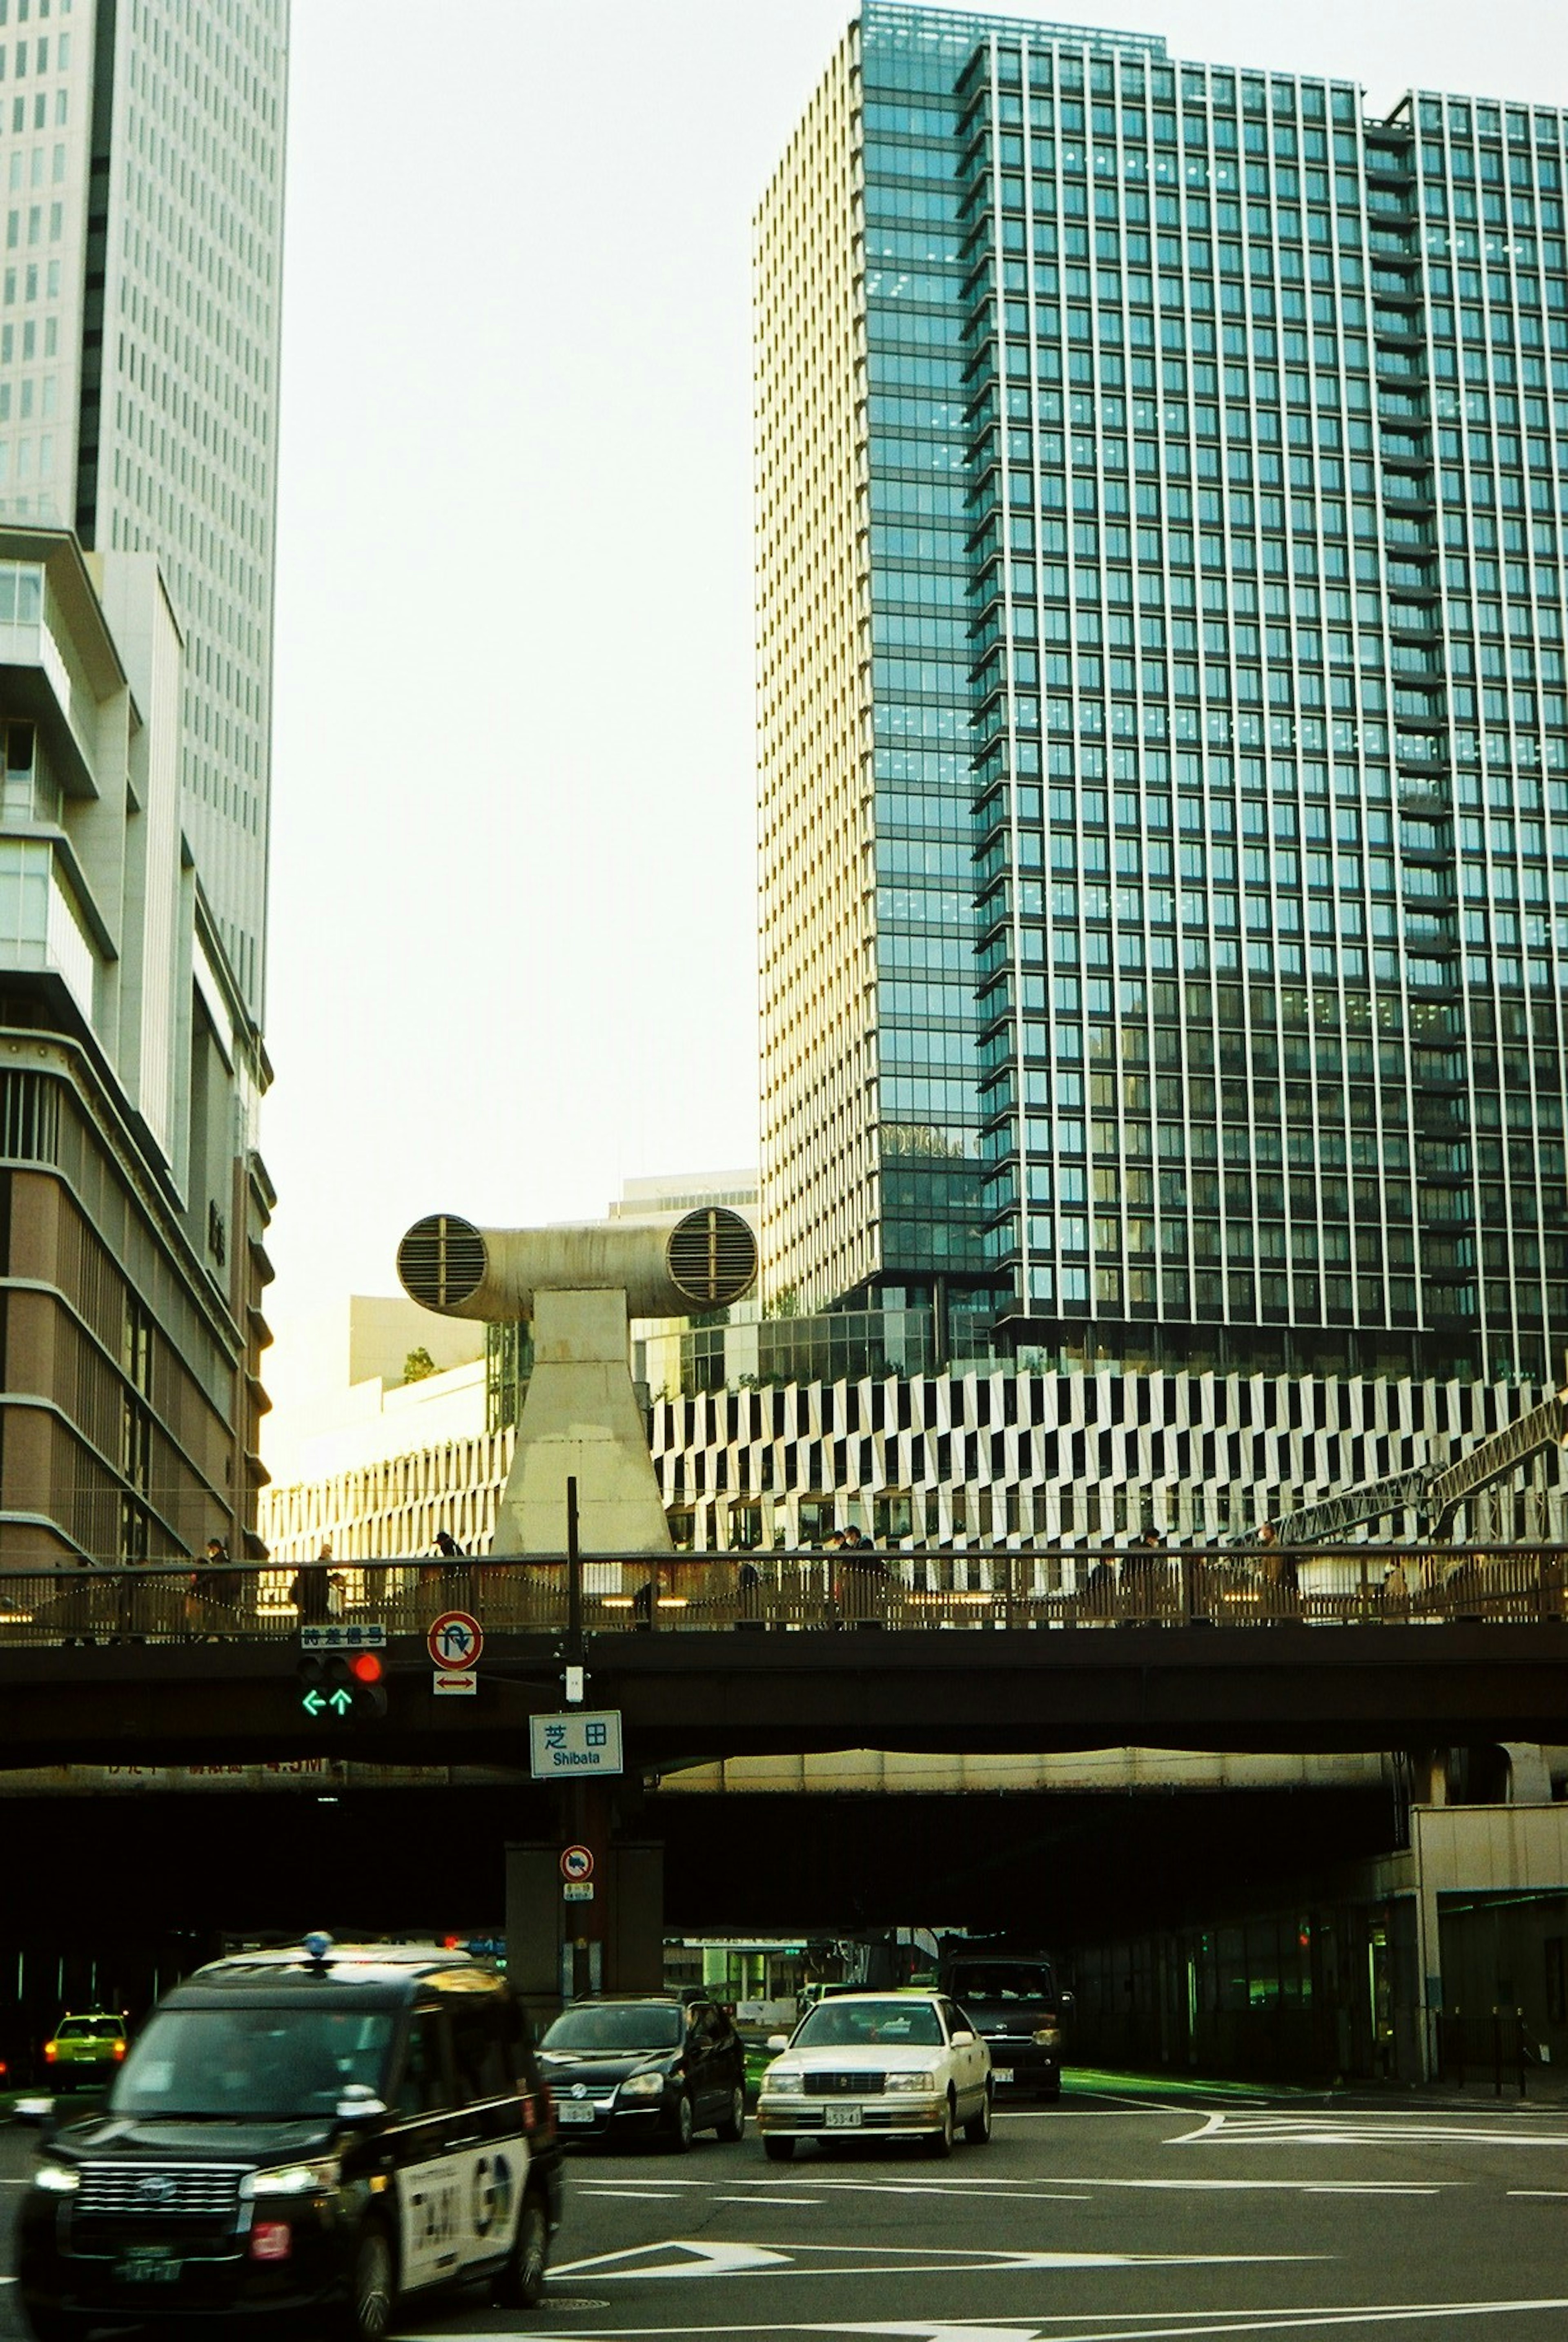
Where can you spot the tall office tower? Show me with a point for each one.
(140, 167)
(141, 145)
(1162, 471)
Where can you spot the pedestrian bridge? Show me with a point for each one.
(918, 1592)
(1355, 1647)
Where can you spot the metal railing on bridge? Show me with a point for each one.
(1080, 1589)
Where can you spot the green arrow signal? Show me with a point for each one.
(312, 1703)
(342, 1699)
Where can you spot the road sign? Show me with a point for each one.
(343, 1638)
(448, 1682)
(577, 1864)
(562, 1747)
(456, 1640)
(577, 1890)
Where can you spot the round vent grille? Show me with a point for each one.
(711, 1257)
(441, 1261)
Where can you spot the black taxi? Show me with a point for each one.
(314, 2132)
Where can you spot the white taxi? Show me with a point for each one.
(877, 2065)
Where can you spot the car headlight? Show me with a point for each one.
(784, 2083)
(59, 2178)
(1049, 2037)
(293, 2179)
(922, 2082)
(643, 2086)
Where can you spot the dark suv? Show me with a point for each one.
(297, 2132)
(1014, 2005)
(660, 2067)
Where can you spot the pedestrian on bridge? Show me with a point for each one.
(310, 1590)
(1278, 1576)
(862, 1580)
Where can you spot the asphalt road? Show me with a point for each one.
(1129, 2214)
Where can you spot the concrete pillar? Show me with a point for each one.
(556, 1950)
(581, 1421)
(1529, 1774)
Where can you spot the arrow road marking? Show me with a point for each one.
(705, 2260)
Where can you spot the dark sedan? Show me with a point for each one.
(657, 2068)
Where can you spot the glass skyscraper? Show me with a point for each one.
(1164, 739)
(141, 181)
(141, 192)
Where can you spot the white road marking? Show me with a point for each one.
(703, 2260)
(641, 2194)
(813, 2201)
(1556, 2193)
(1361, 2130)
(1068, 2188)
(708, 2260)
(1149, 2326)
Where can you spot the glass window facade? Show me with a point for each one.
(1223, 429)
(141, 192)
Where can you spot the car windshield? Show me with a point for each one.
(604, 2025)
(264, 2063)
(89, 2028)
(1002, 1980)
(855, 2023)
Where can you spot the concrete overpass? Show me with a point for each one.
(700, 1696)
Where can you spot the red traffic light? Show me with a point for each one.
(365, 1667)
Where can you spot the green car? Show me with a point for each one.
(85, 2052)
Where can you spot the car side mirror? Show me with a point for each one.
(962, 2038)
(777, 2041)
(38, 2113)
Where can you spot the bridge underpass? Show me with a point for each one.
(116, 1892)
(1009, 1671)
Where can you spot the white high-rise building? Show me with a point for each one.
(140, 174)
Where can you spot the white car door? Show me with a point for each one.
(970, 2058)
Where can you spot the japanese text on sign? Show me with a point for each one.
(586, 1741)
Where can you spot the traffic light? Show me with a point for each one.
(342, 1686)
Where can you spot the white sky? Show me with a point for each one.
(512, 911)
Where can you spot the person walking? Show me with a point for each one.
(198, 1594)
(749, 1597)
(310, 1590)
(1278, 1574)
(225, 1583)
(862, 1580)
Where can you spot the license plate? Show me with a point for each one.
(1002, 2072)
(148, 2264)
(842, 2118)
(569, 2110)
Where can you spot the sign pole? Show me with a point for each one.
(574, 1652)
(585, 1923)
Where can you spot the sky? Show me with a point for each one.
(511, 912)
